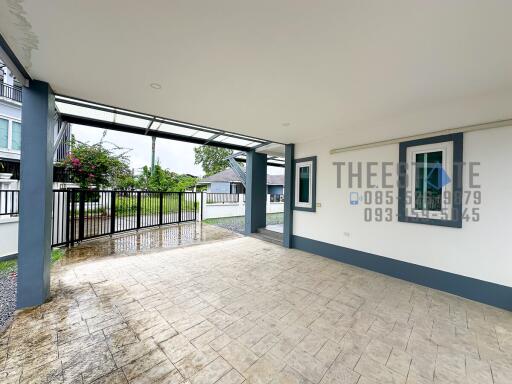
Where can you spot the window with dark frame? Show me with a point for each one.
(430, 181)
(305, 184)
(304, 180)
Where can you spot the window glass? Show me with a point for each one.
(4, 129)
(16, 135)
(428, 180)
(304, 176)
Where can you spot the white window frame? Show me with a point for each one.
(298, 166)
(10, 120)
(447, 190)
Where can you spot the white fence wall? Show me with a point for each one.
(232, 209)
(8, 236)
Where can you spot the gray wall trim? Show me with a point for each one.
(256, 192)
(35, 200)
(470, 288)
(289, 196)
(313, 189)
(458, 158)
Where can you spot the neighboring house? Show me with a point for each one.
(10, 128)
(228, 182)
(10, 121)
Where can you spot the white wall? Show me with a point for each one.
(219, 210)
(8, 236)
(480, 249)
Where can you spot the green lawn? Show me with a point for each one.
(149, 205)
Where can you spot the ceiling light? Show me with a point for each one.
(155, 86)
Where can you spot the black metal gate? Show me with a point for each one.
(80, 214)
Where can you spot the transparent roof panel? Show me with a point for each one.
(129, 120)
(87, 110)
(91, 113)
(220, 138)
(204, 134)
(169, 128)
(155, 125)
(236, 141)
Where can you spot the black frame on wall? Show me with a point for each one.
(456, 217)
(313, 183)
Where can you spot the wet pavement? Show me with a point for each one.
(237, 223)
(146, 241)
(128, 243)
(146, 308)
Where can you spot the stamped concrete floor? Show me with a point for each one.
(242, 310)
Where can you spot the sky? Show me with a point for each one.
(177, 156)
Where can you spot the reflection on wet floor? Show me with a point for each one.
(146, 241)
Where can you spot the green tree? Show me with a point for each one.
(164, 180)
(212, 159)
(94, 165)
(125, 183)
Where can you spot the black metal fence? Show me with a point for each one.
(80, 214)
(85, 214)
(9, 203)
(10, 92)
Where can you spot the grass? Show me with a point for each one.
(149, 205)
(57, 254)
(11, 265)
(7, 266)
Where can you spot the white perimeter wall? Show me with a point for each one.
(481, 250)
(218, 210)
(8, 236)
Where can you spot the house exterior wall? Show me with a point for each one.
(219, 187)
(480, 249)
(275, 189)
(10, 111)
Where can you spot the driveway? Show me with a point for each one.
(243, 310)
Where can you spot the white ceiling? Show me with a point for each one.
(288, 71)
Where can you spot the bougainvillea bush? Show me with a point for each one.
(95, 165)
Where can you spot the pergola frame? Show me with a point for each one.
(81, 112)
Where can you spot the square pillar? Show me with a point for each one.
(35, 201)
(289, 184)
(255, 192)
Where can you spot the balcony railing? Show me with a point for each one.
(10, 92)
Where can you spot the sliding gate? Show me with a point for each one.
(85, 214)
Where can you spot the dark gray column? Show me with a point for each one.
(255, 192)
(34, 239)
(289, 185)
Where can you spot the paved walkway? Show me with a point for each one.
(244, 310)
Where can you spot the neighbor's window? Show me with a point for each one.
(16, 136)
(4, 133)
(429, 189)
(305, 184)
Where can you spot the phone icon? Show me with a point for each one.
(354, 198)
